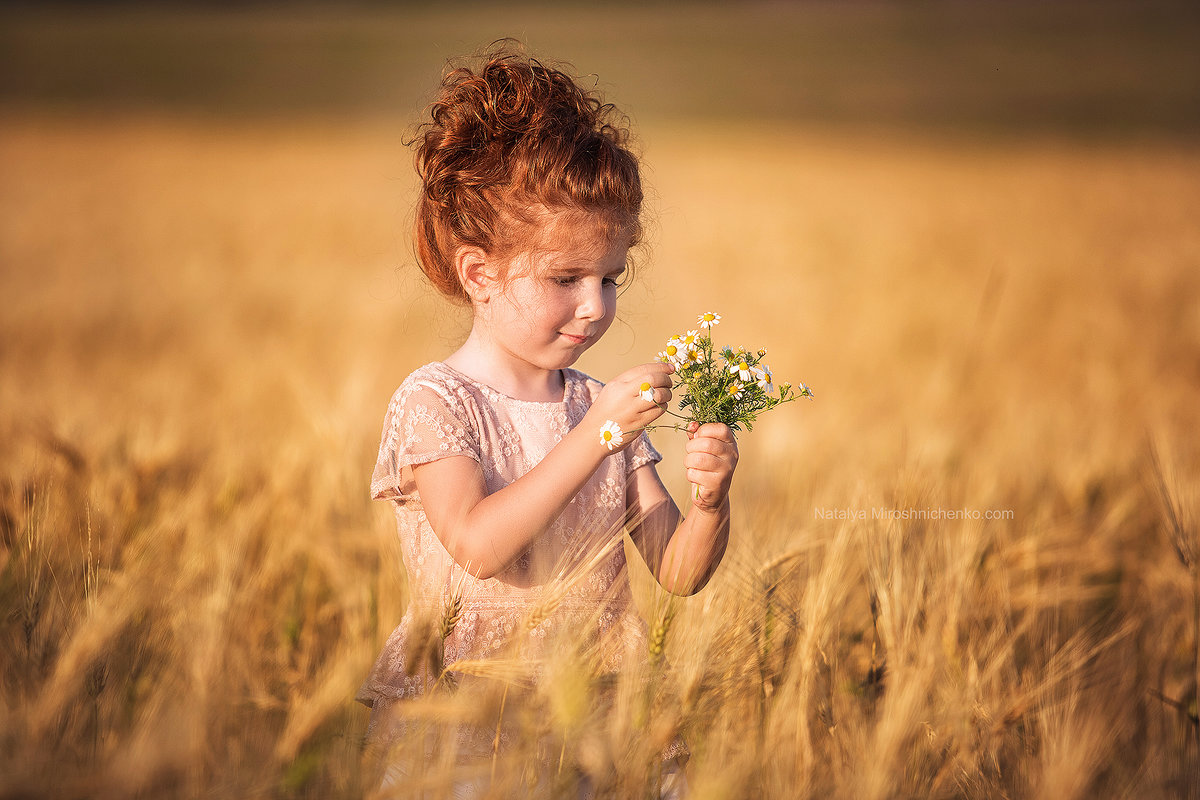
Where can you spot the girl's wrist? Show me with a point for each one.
(588, 441)
(718, 511)
(603, 435)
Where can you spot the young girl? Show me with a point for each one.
(496, 460)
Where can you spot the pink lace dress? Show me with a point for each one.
(439, 412)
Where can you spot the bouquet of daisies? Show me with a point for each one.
(729, 386)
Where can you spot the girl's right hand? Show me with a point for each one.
(621, 401)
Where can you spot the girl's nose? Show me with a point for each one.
(591, 305)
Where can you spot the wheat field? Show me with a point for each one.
(203, 324)
(969, 568)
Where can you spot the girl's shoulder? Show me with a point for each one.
(433, 381)
(436, 375)
(452, 384)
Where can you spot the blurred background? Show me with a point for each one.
(970, 227)
(1084, 70)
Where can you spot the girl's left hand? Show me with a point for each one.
(712, 456)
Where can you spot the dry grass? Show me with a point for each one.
(202, 323)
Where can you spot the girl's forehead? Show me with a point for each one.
(593, 256)
(578, 238)
(563, 259)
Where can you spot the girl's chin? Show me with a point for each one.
(565, 360)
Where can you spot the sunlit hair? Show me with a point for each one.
(505, 143)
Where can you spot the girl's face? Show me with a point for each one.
(559, 299)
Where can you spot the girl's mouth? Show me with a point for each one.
(573, 338)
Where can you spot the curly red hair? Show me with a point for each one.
(506, 141)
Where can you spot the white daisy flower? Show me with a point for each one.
(765, 379)
(734, 390)
(673, 354)
(610, 435)
(646, 392)
(691, 358)
(740, 368)
(708, 319)
(690, 340)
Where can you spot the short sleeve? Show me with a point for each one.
(641, 453)
(425, 421)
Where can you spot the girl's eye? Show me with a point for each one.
(569, 280)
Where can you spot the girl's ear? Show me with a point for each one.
(471, 265)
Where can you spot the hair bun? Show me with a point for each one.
(509, 134)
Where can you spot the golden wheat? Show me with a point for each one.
(202, 323)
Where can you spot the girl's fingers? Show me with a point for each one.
(655, 370)
(646, 415)
(715, 430)
(706, 462)
(721, 450)
(705, 483)
(701, 444)
(659, 383)
(711, 458)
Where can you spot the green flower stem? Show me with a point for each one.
(673, 427)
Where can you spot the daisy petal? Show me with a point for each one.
(610, 435)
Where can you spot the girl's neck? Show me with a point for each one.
(481, 359)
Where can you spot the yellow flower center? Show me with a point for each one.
(709, 317)
(672, 349)
(645, 387)
(743, 366)
(608, 436)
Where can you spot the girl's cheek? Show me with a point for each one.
(554, 296)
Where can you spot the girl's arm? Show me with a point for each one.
(485, 533)
(683, 556)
